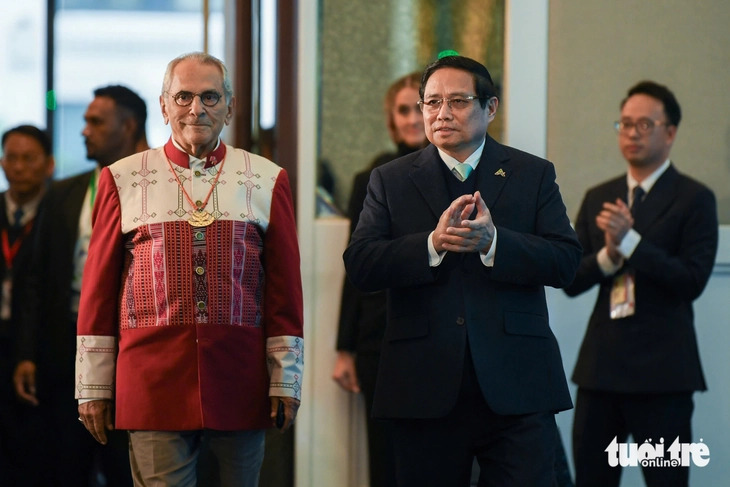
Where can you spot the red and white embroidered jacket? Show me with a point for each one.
(191, 327)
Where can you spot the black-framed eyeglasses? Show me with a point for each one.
(643, 126)
(185, 98)
(454, 103)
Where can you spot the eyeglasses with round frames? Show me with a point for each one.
(455, 103)
(643, 126)
(185, 98)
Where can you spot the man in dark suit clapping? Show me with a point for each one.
(649, 241)
(464, 235)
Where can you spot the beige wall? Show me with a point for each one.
(598, 49)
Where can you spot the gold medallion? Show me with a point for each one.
(200, 218)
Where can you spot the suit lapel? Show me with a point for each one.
(427, 177)
(657, 200)
(75, 196)
(4, 222)
(493, 171)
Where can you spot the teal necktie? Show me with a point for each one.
(462, 171)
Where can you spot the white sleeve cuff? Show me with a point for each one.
(285, 358)
(629, 243)
(606, 264)
(95, 366)
(488, 258)
(434, 258)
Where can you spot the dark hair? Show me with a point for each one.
(31, 131)
(661, 93)
(483, 83)
(126, 98)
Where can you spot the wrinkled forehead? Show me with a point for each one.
(195, 76)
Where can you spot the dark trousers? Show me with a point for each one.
(76, 459)
(79, 460)
(380, 432)
(601, 416)
(512, 451)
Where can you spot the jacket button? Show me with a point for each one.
(199, 270)
(460, 321)
(201, 305)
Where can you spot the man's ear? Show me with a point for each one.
(231, 110)
(165, 117)
(492, 105)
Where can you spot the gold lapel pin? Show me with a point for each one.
(500, 172)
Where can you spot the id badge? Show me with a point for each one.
(623, 297)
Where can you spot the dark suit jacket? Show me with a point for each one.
(9, 329)
(49, 336)
(655, 350)
(20, 268)
(431, 311)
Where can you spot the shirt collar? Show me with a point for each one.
(29, 209)
(647, 183)
(472, 160)
(177, 155)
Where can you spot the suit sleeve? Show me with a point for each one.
(548, 254)
(684, 270)
(98, 325)
(348, 327)
(283, 301)
(376, 259)
(29, 292)
(589, 273)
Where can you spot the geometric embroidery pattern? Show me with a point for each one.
(180, 276)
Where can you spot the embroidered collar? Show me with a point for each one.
(182, 158)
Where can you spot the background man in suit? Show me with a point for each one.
(115, 128)
(469, 365)
(639, 363)
(28, 163)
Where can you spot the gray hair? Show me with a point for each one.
(202, 58)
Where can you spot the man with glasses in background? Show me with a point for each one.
(114, 128)
(649, 242)
(464, 235)
(190, 330)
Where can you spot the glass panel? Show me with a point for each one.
(126, 42)
(22, 66)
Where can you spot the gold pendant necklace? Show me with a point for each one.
(199, 217)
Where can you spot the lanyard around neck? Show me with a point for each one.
(10, 251)
(92, 188)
